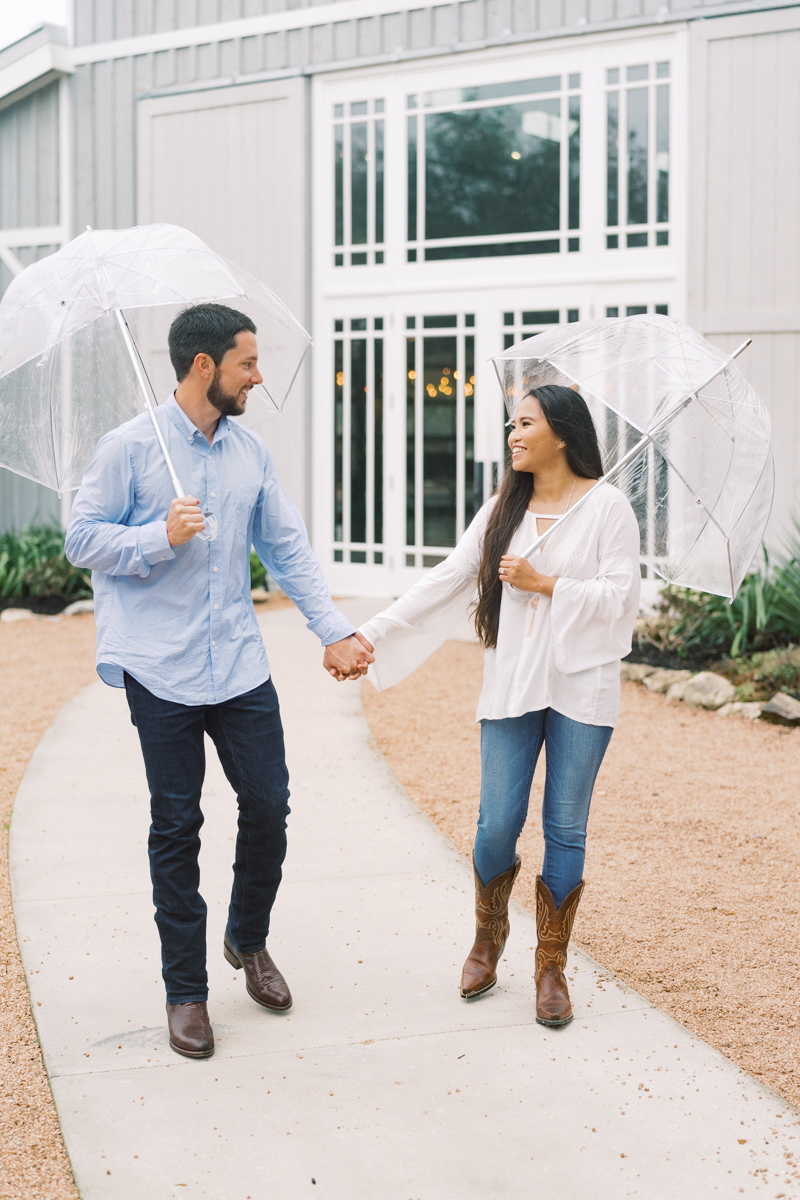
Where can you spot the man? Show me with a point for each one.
(177, 629)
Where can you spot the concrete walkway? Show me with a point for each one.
(382, 1082)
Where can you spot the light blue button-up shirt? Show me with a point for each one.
(180, 619)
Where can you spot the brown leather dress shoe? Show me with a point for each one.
(554, 929)
(265, 984)
(190, 1031)
(491, 931)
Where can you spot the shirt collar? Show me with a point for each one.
(187, 428)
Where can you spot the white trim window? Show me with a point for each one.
(444, 483)
(494, 170)
(637, 156)
(358, 488)
(358, 183)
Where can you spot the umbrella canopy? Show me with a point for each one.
(83, 342)
(682, 433)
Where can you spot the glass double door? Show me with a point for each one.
(405, 478)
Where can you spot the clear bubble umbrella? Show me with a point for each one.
(683, 434)
(83, 343)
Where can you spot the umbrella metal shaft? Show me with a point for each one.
(631, 454)
(137, 366)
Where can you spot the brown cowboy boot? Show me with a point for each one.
(554, 929)
(491, 931)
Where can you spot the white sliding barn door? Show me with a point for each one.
(230, 165)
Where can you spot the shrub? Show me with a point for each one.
(765, 613)
(33, 564)
(258, 572)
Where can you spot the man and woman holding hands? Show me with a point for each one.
(176, 628)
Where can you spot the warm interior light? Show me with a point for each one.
(516, 154)
(412, 374)
(339, 378)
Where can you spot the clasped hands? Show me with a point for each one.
(525, 578)
(348, 659)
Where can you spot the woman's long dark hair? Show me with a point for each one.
(570, 420)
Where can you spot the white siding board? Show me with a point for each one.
(260, 224)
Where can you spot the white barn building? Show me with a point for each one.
(423, 186)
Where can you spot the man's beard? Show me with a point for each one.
(228, 406)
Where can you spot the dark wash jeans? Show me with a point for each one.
(248, 737)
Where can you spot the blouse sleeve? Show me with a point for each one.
(593, 619)
(409, 631)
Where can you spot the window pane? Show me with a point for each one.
(635, 310)
(547, 316)
(358, 109)
(662, 153)
(379, 182)
(358, 182)
(612, 75)
(447, 322)
(637, 156)
(662, 70)
(338, 415)
(439, 442)
(612, 170)
(637, 73)
(411, 376)
(494, 91)
(493, 170)
(472, 500)
(378, 444)
(358, 440)
(338, 171)
(574, 162)
(575, 81)
(492, 250)
(412, 179)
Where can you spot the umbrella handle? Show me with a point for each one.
(137, 366)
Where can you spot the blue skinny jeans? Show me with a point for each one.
(509, 752)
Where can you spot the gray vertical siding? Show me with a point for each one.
(29, 161)
(29, 195)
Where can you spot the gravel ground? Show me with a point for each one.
(43, 664)
(692, 890)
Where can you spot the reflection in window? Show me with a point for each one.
(358, 177)
(637, 156)
(484, 179)
(637, 173)
(444, 484)
(358, 442)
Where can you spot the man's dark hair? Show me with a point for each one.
(204, 329)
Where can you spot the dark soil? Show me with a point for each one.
(47, 606)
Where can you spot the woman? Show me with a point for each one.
(554, 630)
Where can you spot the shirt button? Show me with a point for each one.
(216, 569)
(213, 643)
(216, 606)
(213, 495)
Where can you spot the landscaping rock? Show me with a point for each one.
(635, 672)
(78, 606)
(704, 690)
(781, 710)
(662, 679)
(749, 709)
(16, 614)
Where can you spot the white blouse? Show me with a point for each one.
(562, 652)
